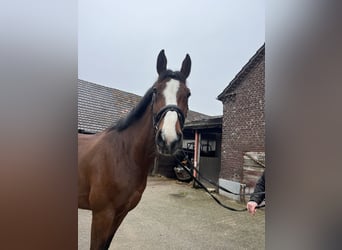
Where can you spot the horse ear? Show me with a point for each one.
(186, 66)
(161, 62)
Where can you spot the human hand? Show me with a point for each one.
(251, 207)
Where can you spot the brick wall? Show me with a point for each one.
(243, 125)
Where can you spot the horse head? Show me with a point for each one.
(170, 104)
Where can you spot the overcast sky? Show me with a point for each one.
(119, 41)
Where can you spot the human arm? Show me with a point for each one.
(258, 195)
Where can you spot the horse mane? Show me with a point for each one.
(135, 114)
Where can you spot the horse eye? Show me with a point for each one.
(189, 94)
(154, 90)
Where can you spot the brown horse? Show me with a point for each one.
(113, 165)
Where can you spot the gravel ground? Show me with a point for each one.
(173, 215)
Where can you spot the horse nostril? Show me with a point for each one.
(177, 144)
(160, 140)
(179, 138)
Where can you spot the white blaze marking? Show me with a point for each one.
(169, 133)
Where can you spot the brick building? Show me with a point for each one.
(243, 125)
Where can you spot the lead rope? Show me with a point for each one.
(206, 189)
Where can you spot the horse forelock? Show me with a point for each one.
(176, 75)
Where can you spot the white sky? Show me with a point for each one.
(118, 43)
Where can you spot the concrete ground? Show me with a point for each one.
(173, 215)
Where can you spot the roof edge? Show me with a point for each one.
(245, 69)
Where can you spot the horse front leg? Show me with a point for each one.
(102, 229)
(104, 225)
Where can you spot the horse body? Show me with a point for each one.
(113, 165)
(106, 183)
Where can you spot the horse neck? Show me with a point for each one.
(140, 138)
(144, 131)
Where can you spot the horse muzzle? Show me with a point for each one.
(166, 147)
(169, 136)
